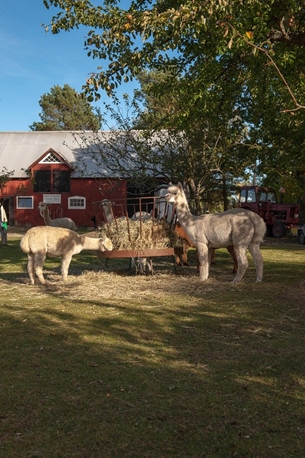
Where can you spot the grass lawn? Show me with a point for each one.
(116, 365)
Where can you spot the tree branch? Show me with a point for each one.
(260, 48)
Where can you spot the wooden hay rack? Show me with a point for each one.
(134, 226)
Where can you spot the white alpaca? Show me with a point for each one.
(68, 223)
(241, 228)
(164, 209)
(41, 241)
(141, 216)
(107, 211)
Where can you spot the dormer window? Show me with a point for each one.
(51, 181)
(51, 173)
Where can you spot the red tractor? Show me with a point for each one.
(279, 217)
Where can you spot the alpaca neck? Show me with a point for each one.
(90, 243)
(46, 217)
(183, 211)
(186, 218)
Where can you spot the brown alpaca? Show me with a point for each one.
(181, 252)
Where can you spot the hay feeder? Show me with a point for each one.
(138, 227)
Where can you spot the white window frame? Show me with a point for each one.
(24, 197)
(77, 207)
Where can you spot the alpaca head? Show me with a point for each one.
(42, 206)
(173, 193)
(105, 244)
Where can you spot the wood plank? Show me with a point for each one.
(147, 253)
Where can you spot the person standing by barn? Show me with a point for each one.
(3, 223)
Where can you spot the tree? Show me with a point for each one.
(197, 146)
(214, 133)
(64, 109)
(5, 176)
(185, 35)
(244, 56)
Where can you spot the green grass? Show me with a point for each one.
(116, 365)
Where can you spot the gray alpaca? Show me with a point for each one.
(241, 228)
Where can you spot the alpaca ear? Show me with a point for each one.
(180, 186)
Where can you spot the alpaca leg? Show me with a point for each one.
(178, 255)
(230, 249)
(185, 248)
(242, 263)
(141, 264)
(149, 266)
(212, 253)
(258, 260)
(197, 258)
(31, 269)
(65, 264)
(132, 264)
(144, 265)
(138, 265)
(39, 259)
(203, 259)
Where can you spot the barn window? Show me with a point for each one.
(42, 181)
(61, 181)
(25, 202)
(52, 181)
(77, 202)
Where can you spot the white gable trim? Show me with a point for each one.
(51, 158)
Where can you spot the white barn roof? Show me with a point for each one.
(19, 150)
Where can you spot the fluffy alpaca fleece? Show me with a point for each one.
(181, 252)
(41, 241)
(241, 228)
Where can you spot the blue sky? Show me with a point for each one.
(33, 61)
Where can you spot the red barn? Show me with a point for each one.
(58, 168)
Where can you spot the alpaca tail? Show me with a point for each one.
(24, 244)
(260, 227)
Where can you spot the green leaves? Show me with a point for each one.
(224, 55)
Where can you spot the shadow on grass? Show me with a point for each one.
(156, 366)
(149, 378)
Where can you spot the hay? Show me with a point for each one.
(127, 234)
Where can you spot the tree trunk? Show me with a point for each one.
(224, 193)
(196, 191)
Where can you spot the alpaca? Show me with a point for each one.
(181, 252)
(231, 250)
(241, 228)
(40, 241)
(164, 209)
(141, 216)
(107, 211)
(68, 223)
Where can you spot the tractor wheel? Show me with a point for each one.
(301, 237)
(278, 229)
(269, 230)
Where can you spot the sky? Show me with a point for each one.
(33, 61)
